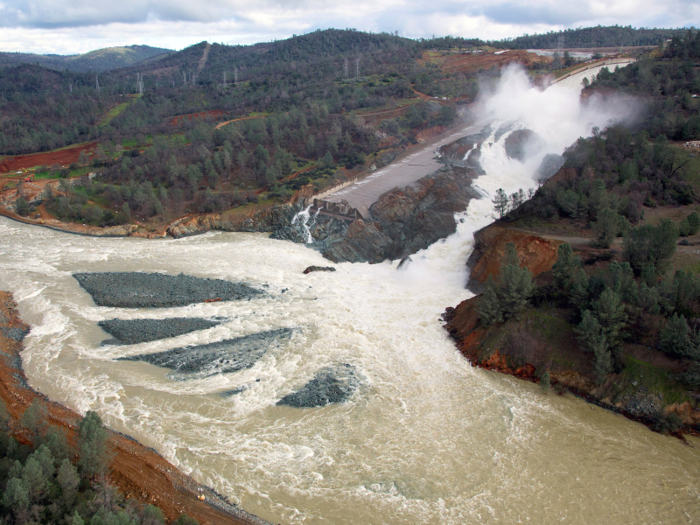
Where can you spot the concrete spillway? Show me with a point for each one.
(406, 169)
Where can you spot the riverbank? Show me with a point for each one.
(542, 340)
(138, 472)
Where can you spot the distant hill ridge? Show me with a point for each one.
(98, 60)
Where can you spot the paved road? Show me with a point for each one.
(406, 169)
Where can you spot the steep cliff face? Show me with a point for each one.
(258, 220)
(536, 253)
(403, 220)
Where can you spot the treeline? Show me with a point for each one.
(93, 61)
(42, 112)
(44, 479)
(599, 36)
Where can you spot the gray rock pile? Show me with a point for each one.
(221, 357)
(331, 385)
(155, 290)
(127, 332)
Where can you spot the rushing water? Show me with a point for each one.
(425, 439)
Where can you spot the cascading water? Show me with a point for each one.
(425, 439)
(304, 217)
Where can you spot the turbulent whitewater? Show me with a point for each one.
(423, 437)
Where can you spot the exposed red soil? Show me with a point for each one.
(137, 471)
(63, 157)
(238, 119)
(470, 64)
(430, 133)
(214, 113)
(536, 253)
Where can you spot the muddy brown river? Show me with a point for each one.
(424, 438)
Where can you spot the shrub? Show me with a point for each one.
(651, 244)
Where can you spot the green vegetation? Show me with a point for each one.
(114, 112)
(41, 482)
(509, 296)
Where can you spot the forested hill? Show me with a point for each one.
(599, 36)
(98, 60)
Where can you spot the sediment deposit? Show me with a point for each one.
(156, 290)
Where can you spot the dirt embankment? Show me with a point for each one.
(471, 63)
(543, 340)
(137, 471)
(63, 157)
(536, 253)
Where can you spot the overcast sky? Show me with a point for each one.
(77, 26)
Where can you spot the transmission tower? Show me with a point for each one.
(235, 75)
(97, 84)
(139, 83)
(559, 53)
(357, 69)
(184, 77)
(224, 78)
(345, 69)
(70, 88)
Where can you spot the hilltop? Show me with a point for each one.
(97, 61)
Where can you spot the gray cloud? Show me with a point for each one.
(80, 25)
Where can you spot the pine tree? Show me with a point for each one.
(489, 308)
(606, 227)
(68, 480)
(603, 359)
(92, 443)
(510, 257)
(500, 202)
(15, 495)
(675, 338)
(578, 290)
(648, 299)
(590, 335)
(34, 419)
(610, 313)
(565, 266)
(588, 331)
(33, 479)
(514, 289)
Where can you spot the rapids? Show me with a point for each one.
(425, 438)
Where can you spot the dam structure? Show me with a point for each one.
(351, 199)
